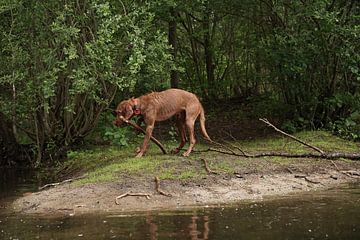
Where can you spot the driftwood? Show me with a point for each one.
(131, 194)
(320, 154)
(59, 183)
(137, 127)
(157, 188)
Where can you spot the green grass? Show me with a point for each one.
(321, 139)
(106, 163)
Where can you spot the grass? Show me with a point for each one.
(104, 164)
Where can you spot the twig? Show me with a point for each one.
(59, 183)
(292, 137)
(351, 173)
(208, 170)
(289, 170)
(333, 163)
(131, 194)
(338, 169)
(307, 179)
(134, 125)
(238, 148)
(334, 177)
(157, 188)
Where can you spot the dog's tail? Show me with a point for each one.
(202, 125)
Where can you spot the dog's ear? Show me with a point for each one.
(132, 101)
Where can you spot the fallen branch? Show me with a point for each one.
(157, 188)
(320, 154)
(208, 170)
(59, 183)
(292, 137)
(131, 194)
(352, 156)
(134, 125)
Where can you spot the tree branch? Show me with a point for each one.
(292, 137)
(134, 125)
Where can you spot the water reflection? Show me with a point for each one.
(332, 214)
(195, 232)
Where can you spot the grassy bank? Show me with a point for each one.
(109, 163)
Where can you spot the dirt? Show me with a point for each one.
(211, 191)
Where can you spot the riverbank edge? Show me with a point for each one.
(214, 190)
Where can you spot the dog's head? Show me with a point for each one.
(126, 109)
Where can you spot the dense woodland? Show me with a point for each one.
(64, 63)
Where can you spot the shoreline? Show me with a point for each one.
(213, 190)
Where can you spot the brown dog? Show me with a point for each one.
(159, 106)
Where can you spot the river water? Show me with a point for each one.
(331, 214)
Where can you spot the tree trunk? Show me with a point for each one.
(208, 51)
(174, 75)
(8, 144)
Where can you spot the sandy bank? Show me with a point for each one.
(212, 190)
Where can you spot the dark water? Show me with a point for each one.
(331, 214)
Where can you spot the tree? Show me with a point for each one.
(68, 59)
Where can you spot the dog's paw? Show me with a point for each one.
(186, 154)
(175, 151)
(137, 150)
(140, 154)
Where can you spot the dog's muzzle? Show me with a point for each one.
(119, 121)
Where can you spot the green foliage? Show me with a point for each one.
(63, 63)
(348, 127)
(117, 136)
(345, 109)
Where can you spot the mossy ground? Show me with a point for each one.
(109, 163)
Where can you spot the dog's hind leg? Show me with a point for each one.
(180, 124)
(191, 115)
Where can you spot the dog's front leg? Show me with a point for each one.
(149, 130)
